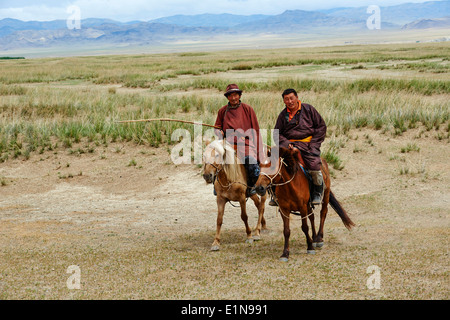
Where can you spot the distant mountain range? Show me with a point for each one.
(399, 14)
(429, 23)
(16, 34)
(224, 20)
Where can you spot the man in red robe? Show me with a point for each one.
(301, 126)
(240, 127)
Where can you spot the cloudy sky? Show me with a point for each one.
(128, 10)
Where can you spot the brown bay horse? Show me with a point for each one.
(222, 168)
(292, 193)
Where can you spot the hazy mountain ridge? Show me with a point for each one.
(22, 34)
(399, 14)
(8, 25)
(429, 23)
(142, 33)
(223, 20)
(298, 20)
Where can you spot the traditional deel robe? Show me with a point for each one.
(306, 131)
(241, 119)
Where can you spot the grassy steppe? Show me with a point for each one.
(60, 101)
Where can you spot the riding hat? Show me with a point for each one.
(232, 88)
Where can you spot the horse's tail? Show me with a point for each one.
(340, 211)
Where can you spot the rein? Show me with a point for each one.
(286, 216)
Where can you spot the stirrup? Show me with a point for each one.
(316, 201)
(272, 201)
(251, 191)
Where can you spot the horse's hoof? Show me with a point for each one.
(249, 241)
(215, 248)
(256, 238)
(311, 251)
(318, 244)
(284, 259)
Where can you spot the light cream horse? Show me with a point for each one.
(223, 168)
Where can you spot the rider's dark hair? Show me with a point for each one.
(289, 91)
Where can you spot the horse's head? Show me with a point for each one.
(215, 159)
(273, 168)
(212, 162)
(269, 168)
(220, 155)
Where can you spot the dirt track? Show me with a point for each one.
(52, 204)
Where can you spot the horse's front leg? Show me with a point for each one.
(263, 208)
(261, 224)
(244, 218)
(286, 232)
(313, 225)
(220, 211)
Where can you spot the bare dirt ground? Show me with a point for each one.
(140, 227)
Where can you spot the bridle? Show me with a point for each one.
(271, 178)
(215, 166)
(219, 167)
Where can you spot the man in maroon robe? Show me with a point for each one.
(240, 127)
(301, 126)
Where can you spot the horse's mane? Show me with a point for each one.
(231, 163)
(290, 158)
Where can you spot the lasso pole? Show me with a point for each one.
(166, 119)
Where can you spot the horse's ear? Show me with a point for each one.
(295, 153)
(207, 142)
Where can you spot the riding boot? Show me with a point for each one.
(273, 200)
(253, 170)
(316, 196)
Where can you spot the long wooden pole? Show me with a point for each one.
(166, 119)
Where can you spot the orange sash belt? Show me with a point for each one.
(307, 139)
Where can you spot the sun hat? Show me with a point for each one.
(232, 88)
